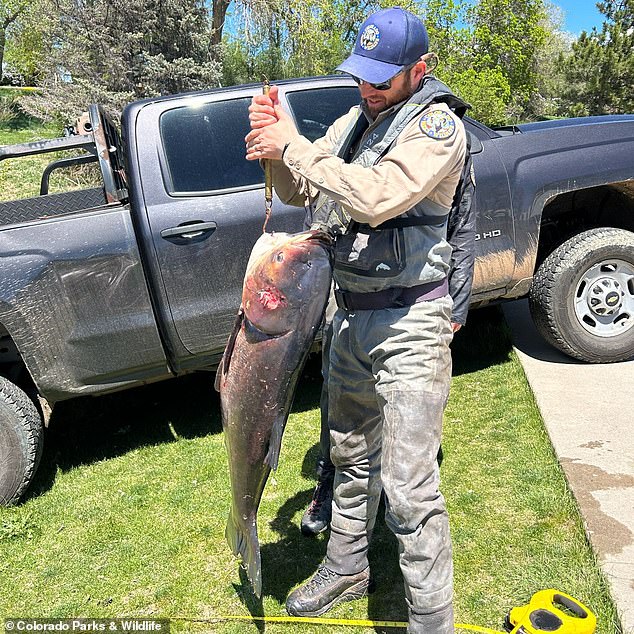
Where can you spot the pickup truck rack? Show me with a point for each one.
(103, 145)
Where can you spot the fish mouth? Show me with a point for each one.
(317, 235)
(314, 235)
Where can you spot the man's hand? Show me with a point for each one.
(271, 127)
(455, 327)
(262, 109)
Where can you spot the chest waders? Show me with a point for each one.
(389, 374)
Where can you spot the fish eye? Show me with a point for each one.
(279, 257)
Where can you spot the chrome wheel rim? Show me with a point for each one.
(604, 298)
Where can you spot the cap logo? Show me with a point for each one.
(370, 37)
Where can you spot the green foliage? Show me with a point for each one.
(9, 110)
(488, 92)
(492, 52)
(10, 12)
(26, 46)
(507, 34)
(448, 40)
(113, 51)
(600, 71)
(294, 38)
(509, 58)
(545, 100)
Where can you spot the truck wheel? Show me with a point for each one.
(582, 297)
(20, 441)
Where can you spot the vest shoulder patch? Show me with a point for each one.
(437, 124)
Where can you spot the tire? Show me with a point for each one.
(582, 297)
(21, 432)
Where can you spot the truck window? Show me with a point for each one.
(204, 147)
(316, 109)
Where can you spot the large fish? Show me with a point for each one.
(285, 291)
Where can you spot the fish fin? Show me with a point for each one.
(223, 367)
(244, 542)
(275, 443)
(254, 335)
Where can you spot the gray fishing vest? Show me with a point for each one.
(408, 250)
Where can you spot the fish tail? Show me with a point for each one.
(243, 541)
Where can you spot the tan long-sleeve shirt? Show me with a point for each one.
(425, 162)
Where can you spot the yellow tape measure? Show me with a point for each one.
(548, 611)
(326, 621)
(552, 611)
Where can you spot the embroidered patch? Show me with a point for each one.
(437, 124)
(370, 37)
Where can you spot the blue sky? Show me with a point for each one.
(580, 15)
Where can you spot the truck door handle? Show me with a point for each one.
(190, 230)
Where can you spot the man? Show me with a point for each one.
(383, 180)
(461, 237)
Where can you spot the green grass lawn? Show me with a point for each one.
(20, 178)
(127, 515)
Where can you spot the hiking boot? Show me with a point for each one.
(325, 589)
(316, 518)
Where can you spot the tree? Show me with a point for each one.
(10, 11)
(488, 92)
(600, 72)
(290, 38)
(446, 38)
(507, 34)
(113, 51)
(286, 38)
(545, 100)
(27, 46)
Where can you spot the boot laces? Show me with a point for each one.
(320, 578)
(321, 494)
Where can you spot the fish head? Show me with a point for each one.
(287, 280)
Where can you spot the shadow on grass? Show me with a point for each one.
(89, 429)
(485, 341)
(21, 121)
(386, 603)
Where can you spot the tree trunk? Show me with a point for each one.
(219, 8)
(3, 40)
(8, 21)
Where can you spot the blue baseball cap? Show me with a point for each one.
(388, 41)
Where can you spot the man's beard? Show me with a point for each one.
(403, 94)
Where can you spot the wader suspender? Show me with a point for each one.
(390, 129)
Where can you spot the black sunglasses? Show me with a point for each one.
(384, 85)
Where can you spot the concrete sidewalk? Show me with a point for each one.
(589, 413)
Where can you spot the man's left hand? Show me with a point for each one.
(269, 142)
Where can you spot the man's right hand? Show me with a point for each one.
(262, 109)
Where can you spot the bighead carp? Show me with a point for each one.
(285, 291)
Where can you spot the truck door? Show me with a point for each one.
(495, 238)
(201, 207)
